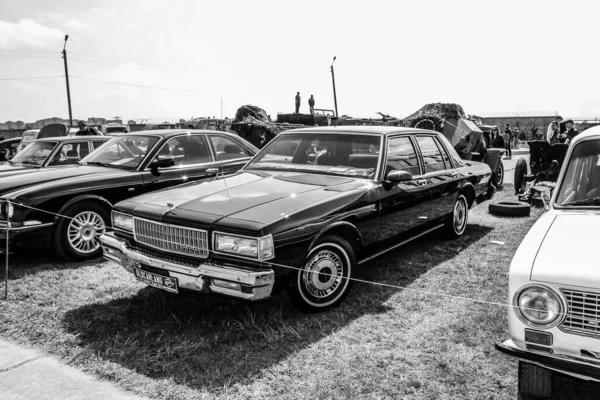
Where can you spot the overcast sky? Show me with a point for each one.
(392, 56)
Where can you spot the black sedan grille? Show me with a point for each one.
(583, 313)
(171, 238)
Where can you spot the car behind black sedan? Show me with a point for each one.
(69, 208)
(310, 208)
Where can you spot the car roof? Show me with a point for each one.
(593, 131)
(10, 140)
(176, 132)
(83, 138)
(355, 129)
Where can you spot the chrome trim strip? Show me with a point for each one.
(399, 244)
(24, 228)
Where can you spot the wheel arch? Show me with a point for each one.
(84, 197)
(344, 229)
(469, 192)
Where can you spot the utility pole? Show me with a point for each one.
(64, 52)
(334, 95)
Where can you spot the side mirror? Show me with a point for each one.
(398, 176)
(161, 163)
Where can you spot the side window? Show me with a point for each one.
(432, 156)
(227, 149)
(97, 144)
(444, 154)
(401, 156)
(70, 153)
(187, 150)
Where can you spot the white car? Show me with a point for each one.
(554, 279)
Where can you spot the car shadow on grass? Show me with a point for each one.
(209, 343)
(23, 262)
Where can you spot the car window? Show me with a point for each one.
(227, 149)
(126, 152)
(401, 156)
(580, 184)
(34, 154)
(444, 154)
(432, 157)
(70, 153)
(452, 152)
(325, 153)
(97, 144)
(186, 150)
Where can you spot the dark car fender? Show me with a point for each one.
(82, 198)
(346, 229)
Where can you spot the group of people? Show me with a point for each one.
(311, 103)
(560, 131)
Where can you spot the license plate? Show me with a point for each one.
(161, 282)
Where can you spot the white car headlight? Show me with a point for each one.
(538, 306)
(243, 246)
(122, 221)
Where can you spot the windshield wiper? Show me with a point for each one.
(28, 162)
(102, 164)
(584, 202)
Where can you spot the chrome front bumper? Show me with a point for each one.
(202, 278)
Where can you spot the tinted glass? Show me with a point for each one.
(325, 153)
(70, 153)
(34, 154)
(432, 157)
(227, 149)
(126, 152)
(401, 156)
(187, 150)
(581, 181)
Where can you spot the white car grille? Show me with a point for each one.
(583, 313)
(170, 238)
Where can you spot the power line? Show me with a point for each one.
(136, 86)
(31, 77)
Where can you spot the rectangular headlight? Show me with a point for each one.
(122, 221)
(243, 246)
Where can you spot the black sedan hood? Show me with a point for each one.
(7, 169)
(257, 198)
(46, 181)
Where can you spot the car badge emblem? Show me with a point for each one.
(170, 205)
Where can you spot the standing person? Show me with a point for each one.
(311, 104)
(515, 139)
(507, 140)
(552, 136)
(559, 124)
(571, 131)
(297, 102)
(1, 137)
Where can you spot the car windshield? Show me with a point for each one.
(124, 152)
(580, 185)
(35, 154)
(323, 153)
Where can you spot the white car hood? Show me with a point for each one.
(570, 252)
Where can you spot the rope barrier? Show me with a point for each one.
(358, 280)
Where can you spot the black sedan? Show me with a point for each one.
(311, 207)
(123, 167)
(52, 152)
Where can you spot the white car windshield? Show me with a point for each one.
(580, 185)
(35, 154)
(323, 153)
(124, 152)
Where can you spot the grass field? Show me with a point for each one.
(381, 342)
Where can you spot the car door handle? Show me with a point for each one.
(213, 170)
(422, 182)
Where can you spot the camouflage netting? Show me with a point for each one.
(253, 124)
(436, 113)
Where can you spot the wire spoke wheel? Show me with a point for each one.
(84, 230)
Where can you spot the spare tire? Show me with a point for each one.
(510, 209)
(520, 172)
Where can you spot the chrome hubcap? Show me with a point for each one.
(460, 215)
(84, 230)
(323, 274)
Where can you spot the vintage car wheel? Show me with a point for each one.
(520, 172)
(457, 222)
(510, 209)
(324, 280)
(499, 175)
(534, 381)
(77, 237)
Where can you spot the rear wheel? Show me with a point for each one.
(77, 235)
(457, 223)
(520, 173)
(499, 175)
(534, 381)
(323, 282)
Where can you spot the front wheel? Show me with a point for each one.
(457, 223)
(499, 175)
(77, 235)
(324, 280)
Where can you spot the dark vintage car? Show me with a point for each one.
(311, 207)
(52, 152)
(125, 166)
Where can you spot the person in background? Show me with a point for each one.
(571, 132)
(557, 121)
(297, 102)
(552, 136)
(515, 139)
(1, 137)
(507, 140)
(84, 129)
(311, 104)
(534, 132)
